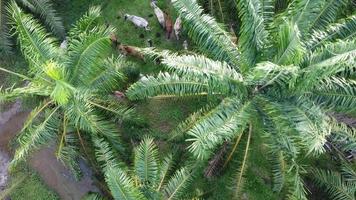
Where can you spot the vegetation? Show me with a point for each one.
(281, 82)
(42, 8)
(256, 118)
(74, 85)
(152, 177)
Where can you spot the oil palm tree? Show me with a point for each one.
(41, 8)
(281, 83)
(73, 85)
(149, 178)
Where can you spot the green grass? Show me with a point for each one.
(27, 185)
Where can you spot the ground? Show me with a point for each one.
(161, 115)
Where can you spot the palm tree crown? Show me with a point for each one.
(281, 82)
(74, 85)
(149, 178)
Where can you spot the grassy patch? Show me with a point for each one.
(27, 185)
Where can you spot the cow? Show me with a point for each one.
(138, 21)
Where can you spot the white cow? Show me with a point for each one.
(138, 21)
(177, 27)
(159, 14)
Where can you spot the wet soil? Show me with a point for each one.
(52, 171)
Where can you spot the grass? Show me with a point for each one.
(27, 185)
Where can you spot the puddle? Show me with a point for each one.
(52, 171)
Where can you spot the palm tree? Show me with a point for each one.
(41, 8)
(280, 83)
(73, 86)
(149, 178)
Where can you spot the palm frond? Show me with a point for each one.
(290, 49)
(220, 124)
(84, 51)
(253, 34)
(29, 90)
(120, 184)
(327, 14)
(5, 40)
(335, 93)
(238, 185)
(278, 171)
(86, 23)
(334, 185)
(166, 84)
(206, 32)
(194, 65)
(36, 135)
(296, 190)
(107, 77)
(93, 196)
(44, 9)
(35, 43)
(344, 29)
(178, 184)
(146, 161)
(267, 73)
(334, 58)
(164, 171)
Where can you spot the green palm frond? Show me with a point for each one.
(200, 66)
(297, 190)
(222, 123)
(37, 135)
(186, 125)
(29, 90)
(44, 9)
(164, 170)
(239, 181)
(327, 14)
(84, 52)
(69, 154)
(206, 32)
(267, 73)
(167, 85)
(301, 11)
(334, 185)
(5, 40)
(35, 43)
(146, 161)
(178, 185)
(344, 29)
(253, 33)
(278, 171)
(290, 49)
(335, 93)
(108, 76)
(334, 58)
(86, 23)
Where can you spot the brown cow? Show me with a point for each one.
(130, 51)
(169, 25)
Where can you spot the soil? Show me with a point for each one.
(52, 171)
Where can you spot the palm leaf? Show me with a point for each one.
(44, 9)
(146, 161)
(220, 124)
(166, 84)
(34, 136)
(178, 184)
(35, 43)
(206, 32)
(334, 185)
